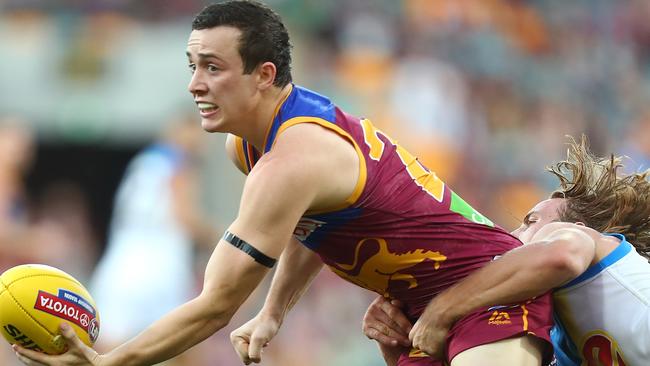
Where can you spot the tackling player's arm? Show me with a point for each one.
(557, 254)
(276, 194)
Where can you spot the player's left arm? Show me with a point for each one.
(296, 269)
(560, 253)
(276, 194)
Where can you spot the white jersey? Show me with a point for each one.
(603, 316)
(147, 268)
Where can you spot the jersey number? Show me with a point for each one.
(601, 351)
(429, 182)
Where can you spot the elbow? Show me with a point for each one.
(216, 314)
(218, 320)
(569, 259)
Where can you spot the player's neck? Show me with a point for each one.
(271, 101)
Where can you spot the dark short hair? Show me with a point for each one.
(263, 35)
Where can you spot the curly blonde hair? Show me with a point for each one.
(601, 198)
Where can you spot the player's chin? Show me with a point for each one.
(210, 125)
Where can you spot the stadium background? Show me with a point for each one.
(483, 91)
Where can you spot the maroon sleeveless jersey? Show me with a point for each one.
(403, 232)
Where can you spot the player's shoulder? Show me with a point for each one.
(310, 143)
(235, 151)
(307, 152)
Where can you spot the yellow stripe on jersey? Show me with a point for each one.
(525, 317)
(372, 140)
(416, 353)
(239, 147)
(361, 182)
(424, 178)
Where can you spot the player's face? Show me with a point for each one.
(221, 91)
(543, 213)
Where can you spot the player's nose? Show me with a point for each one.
(197, 85)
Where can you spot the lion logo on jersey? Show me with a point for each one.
(385, 266)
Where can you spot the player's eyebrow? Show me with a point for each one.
(203, 55)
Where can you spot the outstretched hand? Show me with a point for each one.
(249, 339)
(78, 354)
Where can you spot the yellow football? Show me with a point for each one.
(35, 299)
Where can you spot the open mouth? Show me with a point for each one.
(207, 108)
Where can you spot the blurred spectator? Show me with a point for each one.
(156, 221)
(16, 153)
(17, 245)
(62, 228)
(637, 143)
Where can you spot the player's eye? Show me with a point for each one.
(531, 221)
(212, 68)
(192, 68)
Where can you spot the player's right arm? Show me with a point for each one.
(276, 194)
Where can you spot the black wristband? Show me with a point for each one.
(258, 256)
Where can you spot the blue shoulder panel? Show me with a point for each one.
(301, 102)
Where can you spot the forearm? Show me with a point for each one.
(230, 277)
(503, 281)
(520, 274)
(297, 268)
(390, 354)
(178, 331)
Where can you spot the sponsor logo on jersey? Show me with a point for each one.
(71, 307)
(499, 318)
(305, 227)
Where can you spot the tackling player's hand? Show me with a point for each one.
(386, 323)
(429, 336)
(249, 339)
(78, 354)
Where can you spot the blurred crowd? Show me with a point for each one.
(483, 91)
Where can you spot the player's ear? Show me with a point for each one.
(266, 75)
(579, 223)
